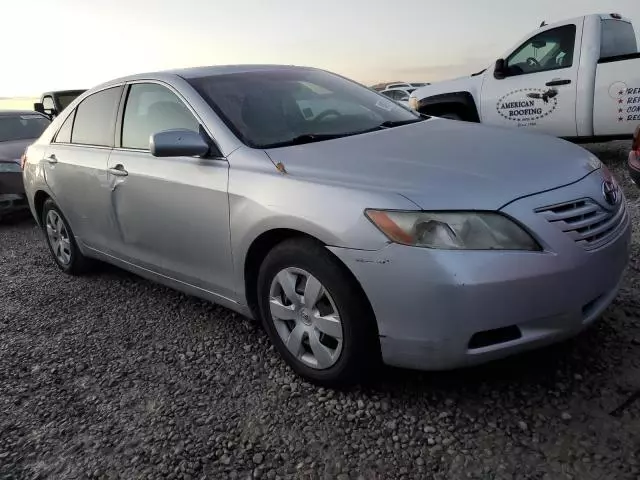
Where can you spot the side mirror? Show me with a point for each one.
(39, 107)
(178, 143)
(500, 70)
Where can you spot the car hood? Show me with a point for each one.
(442, 164)
(14, 149)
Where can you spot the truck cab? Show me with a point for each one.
(52, 103)
(578, 79)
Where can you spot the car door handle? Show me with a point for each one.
(52, 159)
(118, 171)
(557, 82)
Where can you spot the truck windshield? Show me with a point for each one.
(22, 126)
(618, 38)
(281, 107)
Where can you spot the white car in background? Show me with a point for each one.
(400, 95)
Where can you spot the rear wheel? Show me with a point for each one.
(316, 316)
(61, 241)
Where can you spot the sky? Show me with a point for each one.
(68, 44)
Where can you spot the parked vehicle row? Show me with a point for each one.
(18, 129)
(52, 103)
(577, 79)
(400, 95)
(354, 229)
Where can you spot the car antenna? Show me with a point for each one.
(543, 24)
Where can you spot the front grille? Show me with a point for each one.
(589, 224)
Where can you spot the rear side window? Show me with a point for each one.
(95, 118)
(152, 108)
(64, 134)
(618, 38)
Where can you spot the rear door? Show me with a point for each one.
(75, 166)
(616, 106)
(172, 214)
(539, 91)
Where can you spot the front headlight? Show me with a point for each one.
(413, 103)
(453, 230)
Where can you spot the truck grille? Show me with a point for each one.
(586, 222)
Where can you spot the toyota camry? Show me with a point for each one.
(355, 230)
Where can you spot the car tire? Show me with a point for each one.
(61, 241)
(319, 350)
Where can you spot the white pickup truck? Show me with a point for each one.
(578, 79)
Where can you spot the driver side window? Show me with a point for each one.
(549, 50)
(152, 108)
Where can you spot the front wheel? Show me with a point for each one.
(451, 116)
(316, 315)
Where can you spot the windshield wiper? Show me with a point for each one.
(399, 123)
(319, 137)
(308, 138)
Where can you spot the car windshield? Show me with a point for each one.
(275, 108)
(22, 126)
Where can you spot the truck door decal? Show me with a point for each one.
(526, 106)
(627, 102)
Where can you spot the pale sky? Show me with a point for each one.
(66, 44)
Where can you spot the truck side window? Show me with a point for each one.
(549, 50)
(618, 38)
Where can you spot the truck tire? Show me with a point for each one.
(451, 116)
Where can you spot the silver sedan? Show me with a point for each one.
(355, 230)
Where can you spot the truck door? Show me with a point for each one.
(616, 106)
(536, 89)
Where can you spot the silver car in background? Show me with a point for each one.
(354, 229)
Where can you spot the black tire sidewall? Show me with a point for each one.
(358, 328)
(77, 261)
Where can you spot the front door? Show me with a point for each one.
(171, 214)
(538, 91)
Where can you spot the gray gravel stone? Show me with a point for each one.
(110, 376)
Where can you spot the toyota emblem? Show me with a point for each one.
(610, 192)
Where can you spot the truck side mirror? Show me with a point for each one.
(39, 107)
(500, 70)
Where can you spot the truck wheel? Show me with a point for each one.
(451, 116)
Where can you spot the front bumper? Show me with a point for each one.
(438, 310)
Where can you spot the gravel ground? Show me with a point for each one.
(111, 376)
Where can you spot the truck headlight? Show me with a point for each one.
(453, 230)
(413, 103)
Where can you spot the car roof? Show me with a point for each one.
(63, 92)
(197, 72)
(13, 113)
